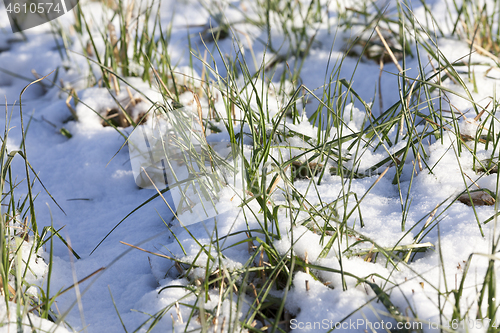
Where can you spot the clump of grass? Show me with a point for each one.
(271, 196)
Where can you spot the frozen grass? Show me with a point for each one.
(254, 97)
(25, 294)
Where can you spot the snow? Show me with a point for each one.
(91, 177)
(30, 322)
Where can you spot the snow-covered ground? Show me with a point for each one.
(90, 176)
